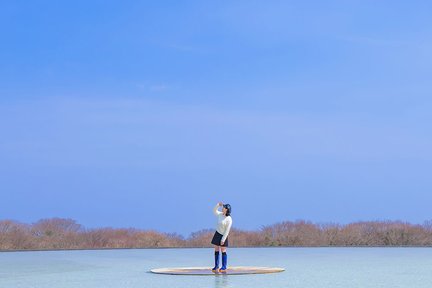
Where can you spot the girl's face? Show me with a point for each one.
(224, 210)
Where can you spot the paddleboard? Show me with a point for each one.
(203, 271)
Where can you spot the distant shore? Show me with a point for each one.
(56, 234)
(168, 248)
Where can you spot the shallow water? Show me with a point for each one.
(305, 267)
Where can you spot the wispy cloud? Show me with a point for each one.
(158, 88)
(181, 46)
(185, 48)
(153, 87)
(383, 42)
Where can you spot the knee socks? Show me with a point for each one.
(224, 260)
(216, 255)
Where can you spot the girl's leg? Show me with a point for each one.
(224, 260)
(216, 257)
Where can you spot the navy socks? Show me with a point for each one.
(216, 254)
(224, 261)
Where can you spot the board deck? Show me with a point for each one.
(203, 271)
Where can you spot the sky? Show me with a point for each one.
(146, 114)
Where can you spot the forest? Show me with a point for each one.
(59, 233)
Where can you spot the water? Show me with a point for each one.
(305, 267)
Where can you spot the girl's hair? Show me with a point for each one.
(228, 207)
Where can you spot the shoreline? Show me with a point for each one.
(166, 248)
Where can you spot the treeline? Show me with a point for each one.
(58, 233)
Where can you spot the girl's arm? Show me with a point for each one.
(216, 211)
(225, 235)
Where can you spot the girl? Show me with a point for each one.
(220, 238)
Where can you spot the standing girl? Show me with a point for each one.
(220, 238)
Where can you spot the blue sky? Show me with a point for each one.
(146, 113)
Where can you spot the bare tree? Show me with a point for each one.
(59, 233)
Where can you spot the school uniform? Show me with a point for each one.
(223, 228)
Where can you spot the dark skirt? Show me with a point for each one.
(217, 237)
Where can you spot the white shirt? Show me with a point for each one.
(224, 223)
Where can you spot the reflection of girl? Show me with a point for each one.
(220, 238)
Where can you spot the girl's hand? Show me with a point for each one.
(220, 204)
(222, 243)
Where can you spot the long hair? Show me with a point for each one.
(228, 207)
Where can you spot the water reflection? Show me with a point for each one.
(221, 281)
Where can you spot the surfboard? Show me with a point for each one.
(206, 271)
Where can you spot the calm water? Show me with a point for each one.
(305, 267)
